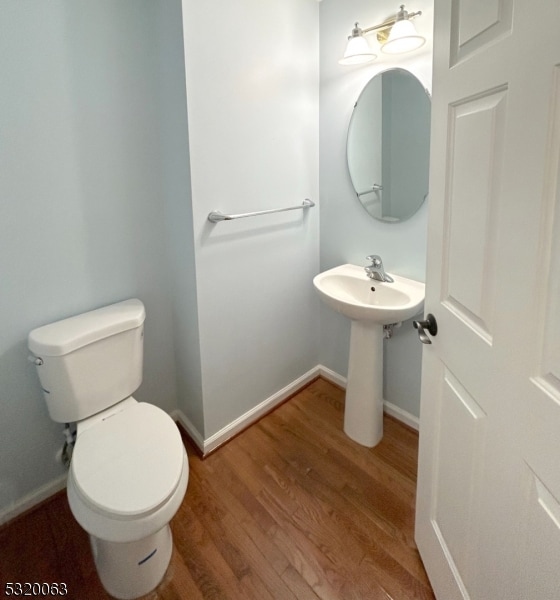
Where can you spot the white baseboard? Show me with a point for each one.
(32, 499)
(207, 445)
(391, 409)
(179, 417)
(245, 420)
(332, 376)
(401, 415)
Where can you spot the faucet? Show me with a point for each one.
(376, 270)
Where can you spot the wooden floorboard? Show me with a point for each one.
(291, 509)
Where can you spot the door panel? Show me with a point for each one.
(461, 451)
(542, 543)
(476, 24)
(475, 150)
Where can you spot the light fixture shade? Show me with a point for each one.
(403, 38)
(357, 52)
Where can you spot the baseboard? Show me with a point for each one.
(332, 376)
(33, 499)
(206, 446)
(391, 409)
(401, 415)
(186, 425)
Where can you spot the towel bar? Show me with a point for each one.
(216, 216)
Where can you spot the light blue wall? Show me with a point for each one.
(102, 198)
(179, 222)
(84, 203)
(348, 233)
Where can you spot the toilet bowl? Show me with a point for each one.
(127, 479)
(129, 469)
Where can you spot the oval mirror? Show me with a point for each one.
(388, 147)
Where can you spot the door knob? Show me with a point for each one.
(430, 324)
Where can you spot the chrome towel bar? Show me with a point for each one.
(376, 187)
(216, 216)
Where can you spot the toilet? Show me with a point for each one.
(129, 469)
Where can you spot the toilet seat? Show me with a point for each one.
(128, 465)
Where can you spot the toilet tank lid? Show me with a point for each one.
(67, 335)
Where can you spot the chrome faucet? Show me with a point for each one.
(376, 270)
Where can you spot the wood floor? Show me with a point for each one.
(291, 509)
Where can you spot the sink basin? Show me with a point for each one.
(348, 290)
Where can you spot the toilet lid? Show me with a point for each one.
(129, 463)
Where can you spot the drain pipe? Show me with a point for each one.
(68, 448)
(388, 330)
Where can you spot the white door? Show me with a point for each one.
(488, 507)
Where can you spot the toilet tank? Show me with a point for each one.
(91, 361)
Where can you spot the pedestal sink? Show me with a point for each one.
(370, 304)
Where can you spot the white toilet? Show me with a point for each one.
(129, 469)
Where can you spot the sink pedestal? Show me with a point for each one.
(363, 412)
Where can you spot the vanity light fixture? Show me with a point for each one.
(396, 35)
